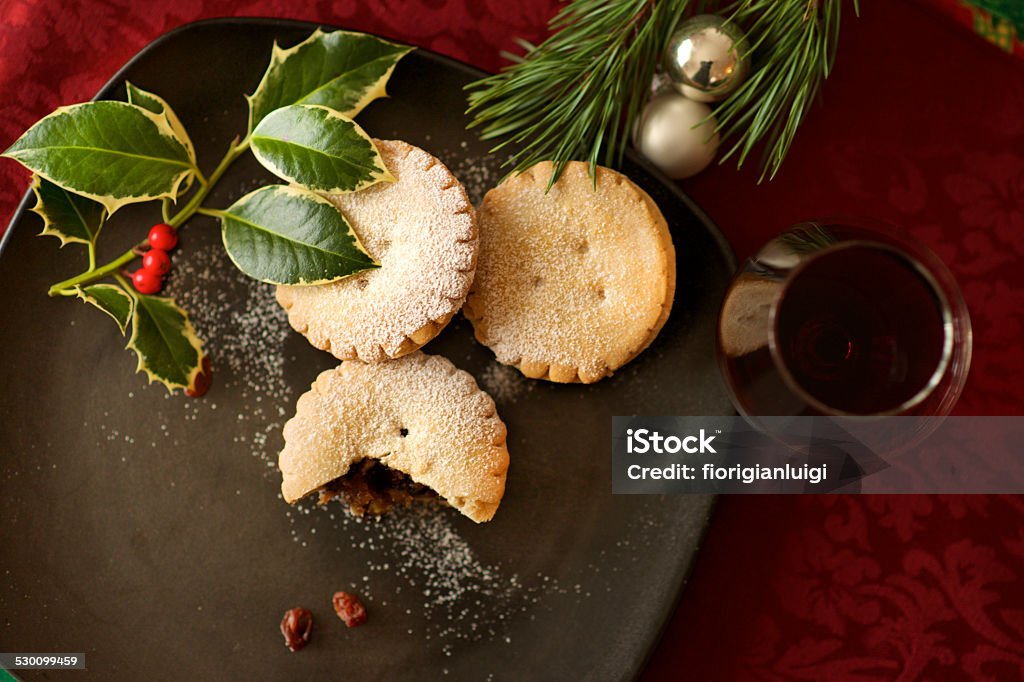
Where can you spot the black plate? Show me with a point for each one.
(147, 531)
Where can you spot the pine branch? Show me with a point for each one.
(577, 95)
(793, 43)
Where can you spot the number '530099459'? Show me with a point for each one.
(45, 660)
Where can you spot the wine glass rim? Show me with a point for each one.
(937, 289)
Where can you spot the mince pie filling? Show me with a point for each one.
(370, 486)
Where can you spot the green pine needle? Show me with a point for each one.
(793, 45)
(577, 95)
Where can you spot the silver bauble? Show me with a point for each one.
(666, 135)
(707, 57)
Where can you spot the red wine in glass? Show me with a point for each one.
(839, 318)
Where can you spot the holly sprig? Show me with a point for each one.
(88, 160)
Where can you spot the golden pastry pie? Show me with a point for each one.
(385, 434)
(421, 229)
(572, 282)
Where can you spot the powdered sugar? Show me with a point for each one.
(590, 279)
(417, 414)
(504, 383)
(243, 331)
(422, 230)
(477, 174)
(457, 597)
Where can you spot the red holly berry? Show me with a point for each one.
(162, 236)
(147, 281)
(156, 260)
(202, 382)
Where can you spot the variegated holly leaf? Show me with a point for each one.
(318, 148)
(341, 70)
(290, 235)
(111, 299)
(112, 152)
(66, 215)
(159, 106)
(165, 342)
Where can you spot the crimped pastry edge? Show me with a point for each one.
(536, 368)
(414, 339)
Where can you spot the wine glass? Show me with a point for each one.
(844, 318)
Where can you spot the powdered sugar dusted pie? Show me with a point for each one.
(422, 230)
(391, 433)
(573, 283)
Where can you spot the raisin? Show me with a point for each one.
(349, 609)
(297, 626)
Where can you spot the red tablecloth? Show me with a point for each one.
(922, 124)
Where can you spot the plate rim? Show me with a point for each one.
(681, 576)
